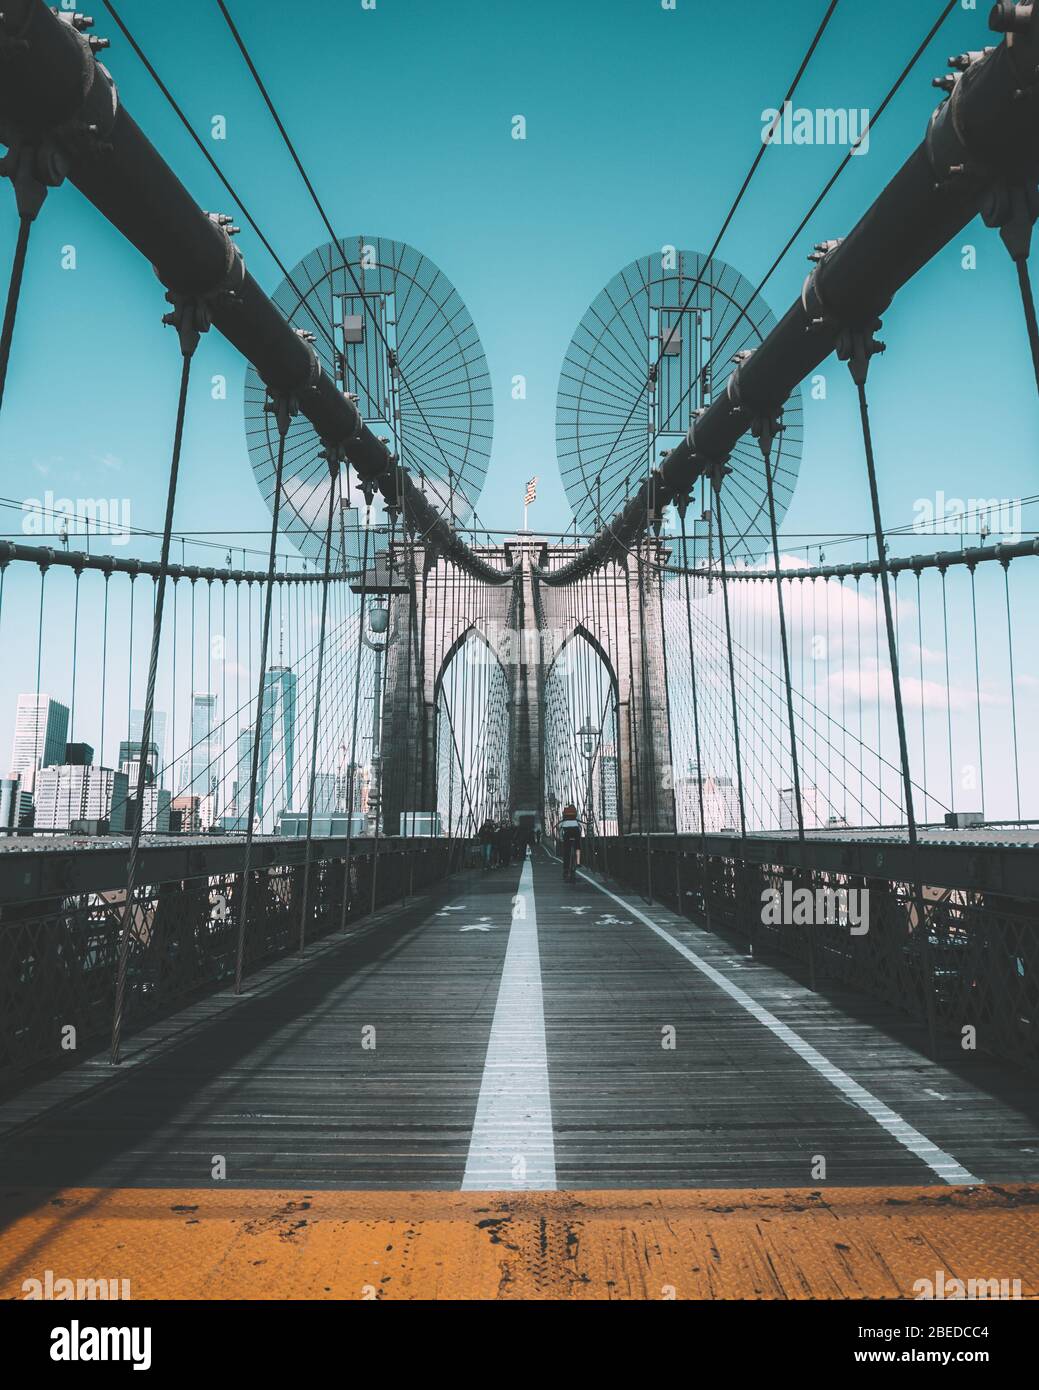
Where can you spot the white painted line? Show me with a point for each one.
(936, 1159)
(511, 1148)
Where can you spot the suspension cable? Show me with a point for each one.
(857, 348)
(304, 906)
(283, 413)
(189, 321)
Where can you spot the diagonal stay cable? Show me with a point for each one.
(179, 112)
(728, 219)
(268, 101)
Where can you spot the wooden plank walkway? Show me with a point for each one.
(362, 1068)
(707, 1125)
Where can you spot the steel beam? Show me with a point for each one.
(984, 136)
(58, 100)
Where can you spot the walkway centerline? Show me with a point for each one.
(511, 1148)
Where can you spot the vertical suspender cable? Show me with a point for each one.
(282, 413)
(716, 482)
(977, 689)
(923, 702)
(857, 349)
(359, 648)
(766, 431)
(1013, 692)
(705, 896)
(948, 692)
(187, 320)
(305, 904)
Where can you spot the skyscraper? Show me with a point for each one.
(721, 805)
(240, 774)
(811, 810)
(158, 735)
(40, 732)
(205, 746)
(277, 746)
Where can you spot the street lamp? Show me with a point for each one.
(588, 736)
(378, 616)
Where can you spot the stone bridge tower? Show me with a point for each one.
(526, 623)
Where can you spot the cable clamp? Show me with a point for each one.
(1013, 208)
(190, 316)
(857, 346)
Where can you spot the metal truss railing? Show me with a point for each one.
(978, 948)
(59, 955)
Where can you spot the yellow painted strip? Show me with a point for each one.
(796, 1243)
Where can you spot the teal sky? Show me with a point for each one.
(641, 123)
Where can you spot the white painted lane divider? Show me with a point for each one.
(936, 1159)
(511, 1148)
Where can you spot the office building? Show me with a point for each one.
(721, 803)
(72, 792)
(157, 742)
(810, 808)
(206, 744)
(277, 746)
(15, 804)
(40, 732)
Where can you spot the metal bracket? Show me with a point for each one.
(190, 317)
(283, 407)
(857, 346)
(33, 171)
(1014, 210)
(765, 427)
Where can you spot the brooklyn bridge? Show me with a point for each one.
(295, 998)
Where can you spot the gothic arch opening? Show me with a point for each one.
(471, 737)
(582, 736)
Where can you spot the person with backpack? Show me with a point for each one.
(569, 842)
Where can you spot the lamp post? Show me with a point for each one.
(378, 622)
(588, 741)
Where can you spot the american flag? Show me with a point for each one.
(531, 495)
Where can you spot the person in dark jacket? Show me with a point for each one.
(486, 838)
(504, 844)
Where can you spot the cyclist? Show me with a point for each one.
(570, 842)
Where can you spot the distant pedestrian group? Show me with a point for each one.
(502, 843)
